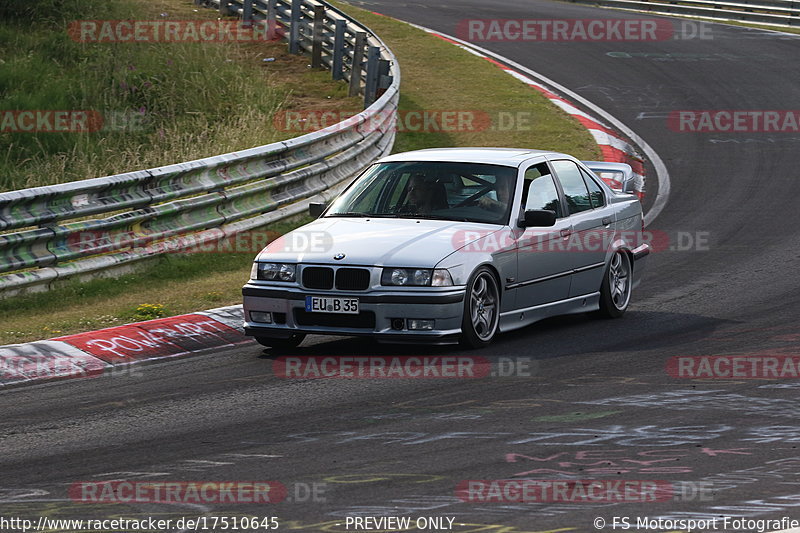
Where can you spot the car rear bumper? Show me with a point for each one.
(379, 314)
(641, 252)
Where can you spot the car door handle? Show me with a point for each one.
(606, 221)
(566, 233)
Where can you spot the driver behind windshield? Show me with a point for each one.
(424, 195)
(503, 191)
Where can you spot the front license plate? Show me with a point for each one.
(319, 304)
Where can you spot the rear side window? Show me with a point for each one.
(576, 193)
(595, 192)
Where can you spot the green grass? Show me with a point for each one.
(162, 103)
(181, 284)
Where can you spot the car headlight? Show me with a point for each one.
(416, 277)
(273, 271)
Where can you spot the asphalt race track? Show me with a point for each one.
(594, 401)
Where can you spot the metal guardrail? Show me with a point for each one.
(103, 225)
(780, 13)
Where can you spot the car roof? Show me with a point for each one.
(494, 156)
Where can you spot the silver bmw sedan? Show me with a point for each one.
(448, 245)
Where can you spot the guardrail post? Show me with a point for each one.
(338, 50)
(384, 79)
(272, 20)
(316, 44)
(355, 66)
(294, 27)
(371, 85)
(247, 12)
(224, 8)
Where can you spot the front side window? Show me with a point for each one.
(540, 190)
(469, 192)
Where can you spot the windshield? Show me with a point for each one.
(469, 192)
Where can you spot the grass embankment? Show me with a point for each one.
(160, 102)
(436, 76)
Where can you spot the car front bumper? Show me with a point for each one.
(377, 318)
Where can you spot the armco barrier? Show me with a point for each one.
(103, 225)
(770, 12)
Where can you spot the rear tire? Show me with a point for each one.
(615, 291)
(282, 344)
(481, 309)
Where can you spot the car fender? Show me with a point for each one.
(496, 248)
(617, 245)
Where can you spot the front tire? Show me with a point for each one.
(615, 291)
(481, 309)
(282, 344)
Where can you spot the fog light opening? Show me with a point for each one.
(420, 324)
(398, 324)
(261, 316)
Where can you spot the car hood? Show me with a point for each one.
(375, 241)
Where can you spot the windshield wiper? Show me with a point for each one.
(349, 214)
(431, 217)
(358, 214)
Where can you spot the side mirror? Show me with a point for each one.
(315, 209)
(538, 218)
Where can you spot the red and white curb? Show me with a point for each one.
(96, 352)
(612, 145)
